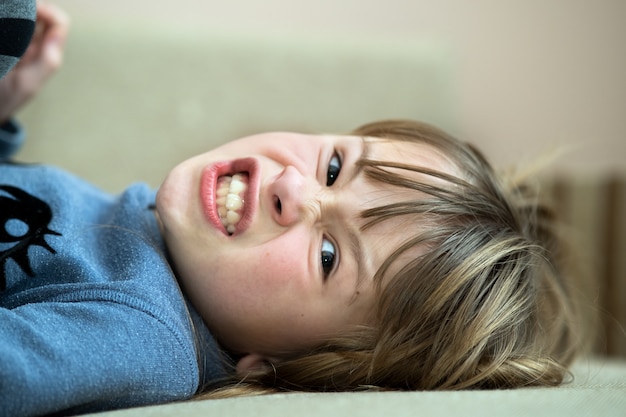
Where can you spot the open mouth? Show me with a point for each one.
(229, 192)
(229, 199)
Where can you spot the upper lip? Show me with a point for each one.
(208, 184)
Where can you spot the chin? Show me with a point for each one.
(174, 199)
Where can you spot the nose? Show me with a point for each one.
(293, 196)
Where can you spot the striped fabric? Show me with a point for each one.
(17, 23)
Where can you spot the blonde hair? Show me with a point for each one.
(487, 305)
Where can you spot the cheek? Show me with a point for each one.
(266, 272)
(278, 268)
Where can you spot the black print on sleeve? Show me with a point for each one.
(35, 215)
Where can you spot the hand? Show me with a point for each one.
(42, 58)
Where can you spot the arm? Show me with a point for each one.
(90, 356)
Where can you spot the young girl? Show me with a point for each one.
(390, 258)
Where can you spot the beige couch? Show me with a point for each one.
(129, 108)
(599, 389)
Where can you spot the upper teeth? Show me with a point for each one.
(229, 202)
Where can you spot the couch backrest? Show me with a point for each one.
(143, 99)
(595, 210)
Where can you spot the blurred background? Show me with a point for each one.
(148, 83)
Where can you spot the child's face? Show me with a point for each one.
(297, 269)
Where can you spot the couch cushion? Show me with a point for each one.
(599, 389)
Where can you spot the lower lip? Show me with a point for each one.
(208, 184)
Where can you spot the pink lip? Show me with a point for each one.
(208, 184)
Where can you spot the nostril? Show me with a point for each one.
(278, 205)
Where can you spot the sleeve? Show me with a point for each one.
(77, 357)
(11, 138)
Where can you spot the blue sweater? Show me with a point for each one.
(91, 316)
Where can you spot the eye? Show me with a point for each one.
(327, 257)
(334, 167)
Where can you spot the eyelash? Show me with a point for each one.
(333, 170)
(327, 254)
(328, 251)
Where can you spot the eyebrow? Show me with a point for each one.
(356, 243)
(358, 168)
(357, 253)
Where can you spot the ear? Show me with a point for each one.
(252, 362)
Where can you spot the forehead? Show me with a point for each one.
(411, 161)
(384, 238)
(417, 154)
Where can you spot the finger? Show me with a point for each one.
(52, 26)
(51, 14)
(45, 54)
(54, 20)
(46, 51)
(52, 52)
